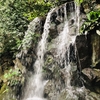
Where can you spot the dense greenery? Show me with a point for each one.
(15, 15)
(92, 22)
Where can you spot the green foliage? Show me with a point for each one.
(93, 15)
(36, 8)
(11, 74)
(78, 2)
(12, 26)
(12, 16)
(93, 20)
(15, 15)
(27, 41)
(13, 77)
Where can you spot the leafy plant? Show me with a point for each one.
(93, 20)
(78, 2)
(11, 74)
(93, 15)
(15, 16)
(13, 77)
(27, 41)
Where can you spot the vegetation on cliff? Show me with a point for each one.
(15, 15)
(92, 11)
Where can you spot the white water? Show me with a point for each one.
(65, 38)
(35, 86)
(77, 18)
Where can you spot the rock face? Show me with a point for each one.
(26, 57)
(83, 51)
(88, 48)
(89, 62)
(84, 56)
(95, 41)
(28, 54)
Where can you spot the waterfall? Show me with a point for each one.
(35, 85)
(63, 42)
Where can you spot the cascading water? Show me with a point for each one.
(64, 40)
(35, 85)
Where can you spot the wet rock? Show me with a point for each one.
(76, 80)
(19, 66)
(57, 20)
(56, 78)
(36, 26)
(90, 5)
(88, 48)
(52, 32)
(52, 90)
(95, 41)
(92, 96)
(92, 77)
(83, 51)
(27, 56)
(98, 1)
(92, 73)
(60, 27)
(48, 88)
(62, 95)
